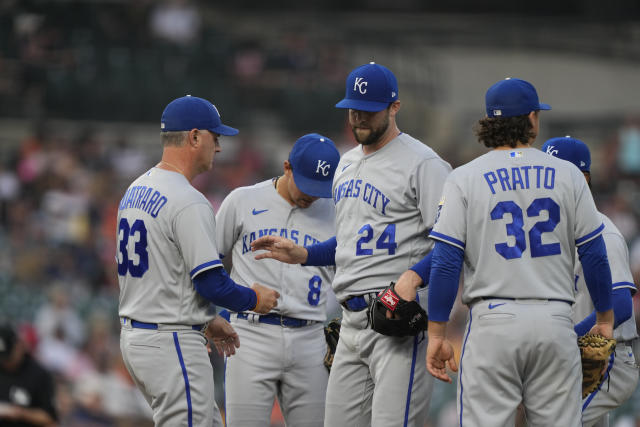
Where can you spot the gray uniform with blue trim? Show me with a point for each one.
(166, 236)
(276, 361)
(622, 377)
(518, 215)
(386, 203)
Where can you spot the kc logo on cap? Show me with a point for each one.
(370, 87)
(360, 85)
(314, 159)
(570, 149)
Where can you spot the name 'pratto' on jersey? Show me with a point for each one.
(144, 198)
(524, 176)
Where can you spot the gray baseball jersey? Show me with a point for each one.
(518, 215)
(248, 213)
(276, 361)
(166, 236)
(623, 374)
(386, 203)
(618, 255)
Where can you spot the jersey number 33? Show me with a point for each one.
(132, 248)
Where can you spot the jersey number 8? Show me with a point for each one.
(514, 228)
(138, 263)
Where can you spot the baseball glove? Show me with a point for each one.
(595, 351)
(332, 335)
(407, 317)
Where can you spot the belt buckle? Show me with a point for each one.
(282, 321)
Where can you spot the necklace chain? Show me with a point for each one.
(173, 166)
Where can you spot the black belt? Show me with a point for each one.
(271, 319)
(143, 325)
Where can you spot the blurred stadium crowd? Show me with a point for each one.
(71, 87)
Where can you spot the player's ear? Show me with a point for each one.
(287, 166)
(194, 137)
(394, 107)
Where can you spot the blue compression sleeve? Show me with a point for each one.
(443, 281)
(423, 268)
(597, 274)
(323, 253)
(622, 310)
(216, 286)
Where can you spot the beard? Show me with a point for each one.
(374, 133)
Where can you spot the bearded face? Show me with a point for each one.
(368, 127)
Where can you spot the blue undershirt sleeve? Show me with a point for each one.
(216, 286)
(443, 280)
(622, 310)
(423, 269)
(323, 253)
(597, 274)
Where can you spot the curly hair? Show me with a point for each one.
(498, 131)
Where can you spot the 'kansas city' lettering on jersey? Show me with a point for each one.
(144, 198)
(523, 177)
(287, 233)
(369, 194)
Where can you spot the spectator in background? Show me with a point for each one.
(629, 147)
(26, 388)
(58, 314)
(177, 21)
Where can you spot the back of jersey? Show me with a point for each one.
(166, 236)
(519, 215)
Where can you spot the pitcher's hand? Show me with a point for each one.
(279, 248)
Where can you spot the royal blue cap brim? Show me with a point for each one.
(225, 130)
(544, 106)
(370, 106)
(311, 187)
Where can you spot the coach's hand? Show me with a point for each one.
(223, 336)
(281, 249)
(267, 298)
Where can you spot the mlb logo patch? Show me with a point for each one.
(515, 154)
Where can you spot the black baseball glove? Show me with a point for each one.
(332, 335)
(407, 317)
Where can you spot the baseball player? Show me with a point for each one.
(169, 272)
(514, 217)
(386, 193)
(622, 376)
(282, 352)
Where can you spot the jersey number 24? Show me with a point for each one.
(136, 263)
(515, 228)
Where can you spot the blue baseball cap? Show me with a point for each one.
(191, 112)
(570, 149)
(512, 97)
(370, 87)
(314, 159)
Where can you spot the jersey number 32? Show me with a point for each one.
(515, 228)
(137, 262)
